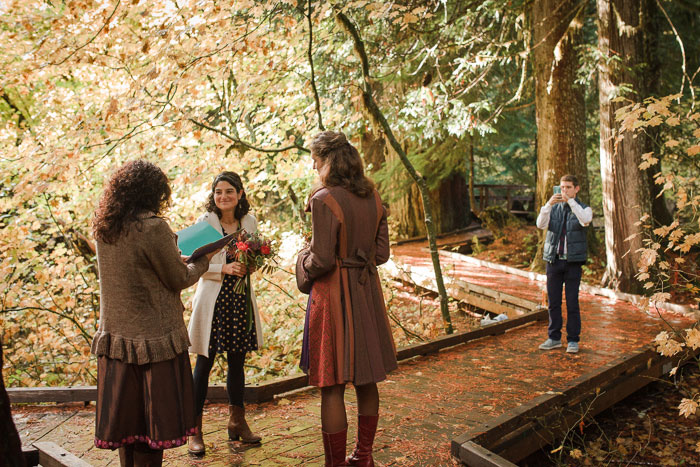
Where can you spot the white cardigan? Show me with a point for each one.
(208, 289)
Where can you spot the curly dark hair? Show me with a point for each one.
(243, 206)
(342, 164)
(136, 187)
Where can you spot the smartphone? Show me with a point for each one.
(557, 190)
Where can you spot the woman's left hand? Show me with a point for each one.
(235, 269)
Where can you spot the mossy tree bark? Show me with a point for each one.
(560, 104)
(381, 122)
(626, 193)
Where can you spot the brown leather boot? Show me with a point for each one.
(334, 448)
(366, 429)
(238, 427)
(195, 443)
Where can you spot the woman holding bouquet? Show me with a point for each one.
(145, 398)
(220, 322)
(347, 337)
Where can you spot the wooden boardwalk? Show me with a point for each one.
(424, 404)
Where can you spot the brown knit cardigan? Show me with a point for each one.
(141, 276)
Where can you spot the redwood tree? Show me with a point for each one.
(626, 196)
(560, 108)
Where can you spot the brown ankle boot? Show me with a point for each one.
(334, 448)
(366, 429)
(238, 427)
(195, 443)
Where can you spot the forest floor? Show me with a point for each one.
(643, 429)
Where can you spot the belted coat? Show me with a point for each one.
(347, 334)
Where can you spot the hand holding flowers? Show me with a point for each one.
(254, 252)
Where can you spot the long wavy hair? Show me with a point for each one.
(243, 206)
(136, 187)
(342, 164)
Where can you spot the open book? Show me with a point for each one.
(199, 239)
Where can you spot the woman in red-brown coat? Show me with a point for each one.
(347, 337)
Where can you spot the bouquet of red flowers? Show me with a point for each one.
(253, 250)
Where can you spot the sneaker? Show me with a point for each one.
(550, 344)
(572, 347)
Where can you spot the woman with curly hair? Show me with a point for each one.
(145, 400)
(219, 320)
(347, 337)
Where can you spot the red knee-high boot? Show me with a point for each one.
(366, 429)
(334, 448)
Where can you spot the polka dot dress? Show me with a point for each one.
(229, 325)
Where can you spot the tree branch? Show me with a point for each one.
(244, 143)
(311, 64)
(680, 45)
(381, 121)
(92, 38)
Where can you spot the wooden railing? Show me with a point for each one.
(518, 199)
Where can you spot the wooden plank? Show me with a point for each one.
(267, 391)
(496, 295)
(591, 289)
(52, 455)
(53, 394)
(261, 392)
(478, 456)
(554, 426)
(520, 432)
(460, 338)
(537, 407)
(470, 227)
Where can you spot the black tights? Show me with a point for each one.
(235, 380)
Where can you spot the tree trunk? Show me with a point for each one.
(10, 444)
(472, 198)
(380, 121)
(626, 194)
(560, 105)
(405, 210)
(651, 87)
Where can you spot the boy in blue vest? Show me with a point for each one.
(565, 218)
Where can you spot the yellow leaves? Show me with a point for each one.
(687, 407)
(673, 121)
(659, 107)
(648, 160)
(655, 121)
(660, 297)
(409, 18)
(693, 150)
(667, 346)
(664, 230)
(647, 258)
(692, 338)
(672, 143)
(690, 240)
(112, 109)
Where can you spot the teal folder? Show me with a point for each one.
(196, 236)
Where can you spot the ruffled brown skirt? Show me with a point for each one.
(151, 403)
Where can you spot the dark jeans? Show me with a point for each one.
(562, 273)
(235, 380)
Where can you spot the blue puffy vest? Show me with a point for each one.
(576, 244)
